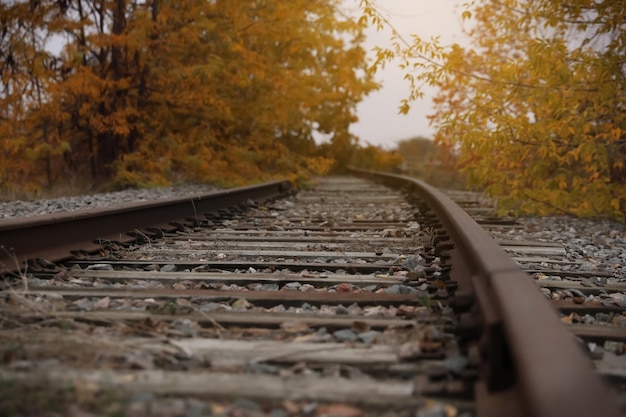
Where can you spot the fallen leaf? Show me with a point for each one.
(295, 327)
(439, 283)
(241, 303)
(360, 326)
(338, 410)
(345, 287)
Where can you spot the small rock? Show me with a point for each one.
(102, 304)
(84, 304)
(345, 335)
(245, 404)
(588, 319)
(412, 262)
(185, 326)
(169, 268)
(613, 346)
(262, 368)
(416, 273)
(456, 364)
(100, 267)
(269, 287)
(196, 408)
(602, 317)
(400, 289)
(213, 307)
(171, 407)
(341, 309)
(54, 296)
(370, 337)
(295, 327)
(278, 309)
(292, 285)
(409, 350)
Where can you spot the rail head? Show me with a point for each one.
(551, 370)
(54, 236)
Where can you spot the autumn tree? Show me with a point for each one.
(535, 107)
(151, 92)
(27, 128)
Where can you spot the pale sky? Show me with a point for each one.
(379, 121)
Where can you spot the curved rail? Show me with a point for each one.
(54, 236)
(523, 341)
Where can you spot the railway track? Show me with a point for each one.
(348, 299)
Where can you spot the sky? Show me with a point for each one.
(379, 122)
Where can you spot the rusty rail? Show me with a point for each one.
(54, 236)
(523, 342)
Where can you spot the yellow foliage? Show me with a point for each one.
(535, 108)
(227, 91)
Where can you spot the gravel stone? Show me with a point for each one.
(599, 244)
(100, 267)
(370, 337)
(269, 287)
(214, 307)
(345, 335)
(196, 408)
(615, 347)
(602, 317)
(245, 404)
(456, 364)
(400, 289)
(21, 208)
(169, 268)
(412, 262)
(341, 309)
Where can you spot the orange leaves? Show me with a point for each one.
(149, 92)
(535, 106)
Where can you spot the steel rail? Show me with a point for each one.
(54, 236)
(521, 330)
